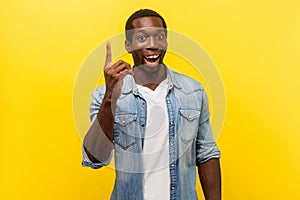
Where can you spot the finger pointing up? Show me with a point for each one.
(108, 55)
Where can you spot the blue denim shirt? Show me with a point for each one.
(190, 136)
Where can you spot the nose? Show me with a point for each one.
(152, 43)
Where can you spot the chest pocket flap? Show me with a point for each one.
(189, 113)
(125, 118)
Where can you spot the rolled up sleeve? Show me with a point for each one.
(86, 162)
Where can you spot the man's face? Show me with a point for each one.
(148, 44)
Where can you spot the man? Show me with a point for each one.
(155, 119)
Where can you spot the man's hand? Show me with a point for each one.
(114, 73)
(98, 143)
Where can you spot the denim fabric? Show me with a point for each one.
(190, 136)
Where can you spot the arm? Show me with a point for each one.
(98, 142)
(210, 178)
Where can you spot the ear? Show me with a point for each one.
(128, 46)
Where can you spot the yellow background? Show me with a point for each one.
(255, 45)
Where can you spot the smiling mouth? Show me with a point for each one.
(152, 59)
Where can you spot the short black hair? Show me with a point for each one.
(138, 14)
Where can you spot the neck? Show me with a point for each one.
(150, 76)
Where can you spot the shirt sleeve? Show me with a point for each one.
(97, 98)
(206, 147)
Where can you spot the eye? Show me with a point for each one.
(160, 36)
(142, 38)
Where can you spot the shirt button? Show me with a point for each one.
(143, 125)
(172, 143)
(123, 122)
(143, 103)
(173, 187)
(168, 102)
(171, 123)
(172, 165)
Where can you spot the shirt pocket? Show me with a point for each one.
(189, 123)
(124, 130)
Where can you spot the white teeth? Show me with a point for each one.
(152, 56)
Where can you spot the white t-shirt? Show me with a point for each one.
(156, 144)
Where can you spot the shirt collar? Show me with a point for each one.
(129, 84)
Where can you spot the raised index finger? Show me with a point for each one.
(108, 55)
